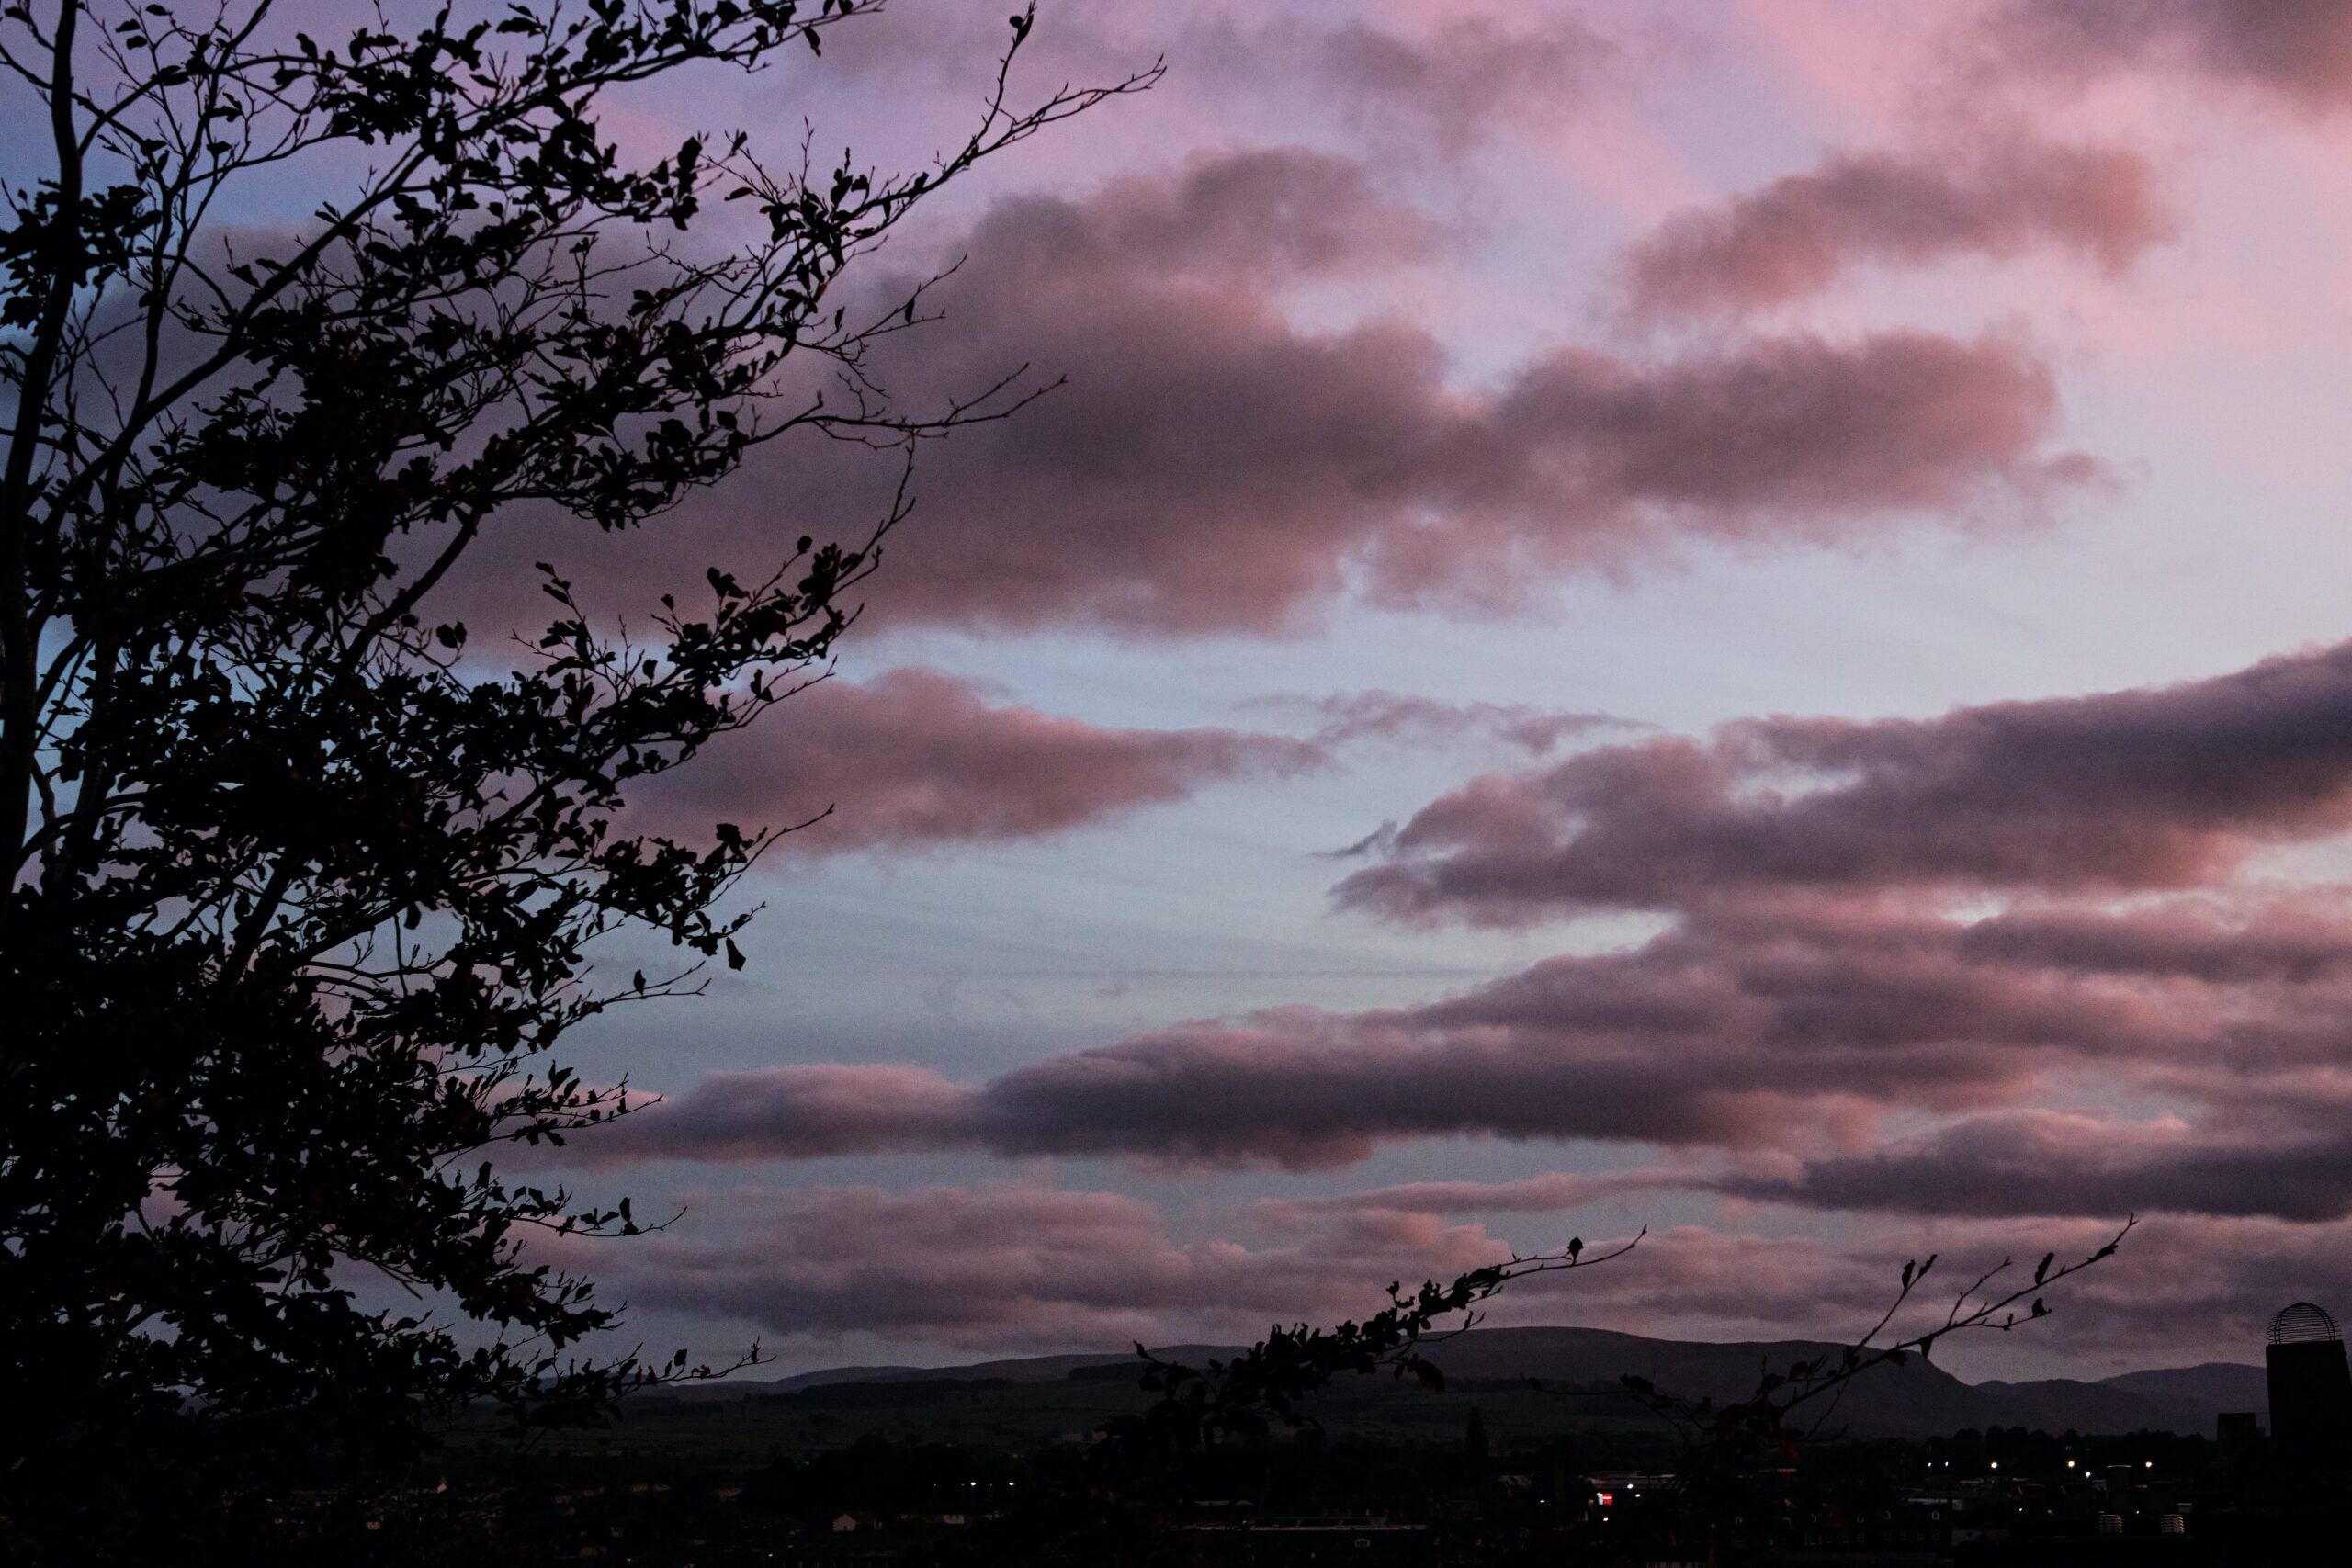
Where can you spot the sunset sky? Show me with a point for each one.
(1724, 617)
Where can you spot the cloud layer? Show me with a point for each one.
(1974, 980)
(2295, 53)
(1784, 1041)
(1464, 78)
(1028, 1267)
(1219, 458)
(2154, 788)
(1811, 987)
(1025, 1266)
(914, 757)
(1210, 466)
(1799, 235)
(2285, 1165)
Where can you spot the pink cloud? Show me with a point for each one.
(1211, 467)
(2161, 787)
(1799, 235)
(1443, 80)
(1261, 214)
(2295, 942)
(1764, 1053)
(1023, 1265)
(1211, 464)
(1315, 1093)
(2295, 53)
(1809, 990)
(790, 1113)
(914, 757)
(1786, 1033)
(2040, 1162)
(1467, 76)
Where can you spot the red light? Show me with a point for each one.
(1606, 1498)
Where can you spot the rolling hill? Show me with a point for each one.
(1916, 1400)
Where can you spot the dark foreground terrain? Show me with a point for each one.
(1007, 1462)
(1047, 1396)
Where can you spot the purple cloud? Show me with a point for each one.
(1213, 466)
(1798, 235)
(915, 758)
(2161, 787)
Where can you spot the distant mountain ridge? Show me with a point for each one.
(1916, 1400)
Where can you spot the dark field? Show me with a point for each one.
(716, 1427)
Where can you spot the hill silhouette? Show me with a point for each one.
(1916, 1400)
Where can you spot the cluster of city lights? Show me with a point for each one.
(2144, 1464)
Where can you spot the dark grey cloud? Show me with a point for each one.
(2047, 1162)
(1784, 1031)
(2152, 788)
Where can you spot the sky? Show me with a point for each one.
(1722, 617)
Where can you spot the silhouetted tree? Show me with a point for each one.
(1268, 1384)
(301, 885)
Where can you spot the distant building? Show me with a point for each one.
(2310, 1384)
